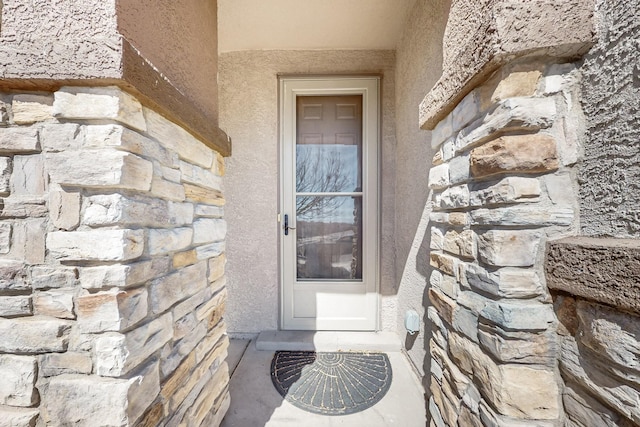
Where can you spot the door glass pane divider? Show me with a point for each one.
(354, 194)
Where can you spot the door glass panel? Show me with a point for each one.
(329, 237)
(329, 144)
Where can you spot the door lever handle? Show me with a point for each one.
(286, 225)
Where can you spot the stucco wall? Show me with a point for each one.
(419, 65)
(179, 38)
(59, 40)
(249, 114)
(611, 92)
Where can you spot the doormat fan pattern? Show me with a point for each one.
(331, 383)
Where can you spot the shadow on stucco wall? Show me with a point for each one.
(418, 66)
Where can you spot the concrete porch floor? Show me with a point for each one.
(255, 401)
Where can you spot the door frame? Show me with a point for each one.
(369, 87)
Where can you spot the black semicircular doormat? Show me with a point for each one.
(331, 383)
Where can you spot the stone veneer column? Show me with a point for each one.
(501, 187)
(112, 284)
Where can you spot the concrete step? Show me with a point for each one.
(328, 341)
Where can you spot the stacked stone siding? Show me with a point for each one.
(502, 186)
(112, 285)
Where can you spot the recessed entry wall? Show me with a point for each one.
(249, 114)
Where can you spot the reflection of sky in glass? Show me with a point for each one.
(337, 209)
(330, 167)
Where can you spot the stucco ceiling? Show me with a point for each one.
(310, 24)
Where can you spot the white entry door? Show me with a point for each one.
(329, 209)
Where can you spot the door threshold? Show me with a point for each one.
(385, 342)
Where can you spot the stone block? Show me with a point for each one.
(442, 131)
(13, 276)
(207, 230)
(462, 244)
(196, 175)
(115, 169)
(28, 177)
(216, 267)
(206, 310)
(117, 209)
(162, 241)
(18, 417)
(529, 153)
(459, 169)
(46, 277)
(55, 303)
(449, 149)
(167, 190)
(490, 418)
(560, 189)
(113, 310)
(447, 284)
(444, 263)
(443, 304)
(99, 103)
(191, 304)
(116, 136)
(182, 259)
(505, 84)
(203, 195)
(115, 245)
(517, 391)
(5, 237)
(5, 176)
(19, 140)
(116, 354)
(513, 114)
(519, 315)
(466, 110)
(35, 334)
(19, 305)
(31, 108)
(123, 276)
(61, 137)
(213, 343)
(455, 197)
(64, 209)
(519, 346)
(437, 236)
(558, 78)
(508, 190)
(54, 364)
(87, 401)
(177, 139)
(522, 216)
(439, 176)
(505, 282)
(465, 322)
(27, 241)
(613, 335)
(168, 290)
(580, 367)
(603, 270)
(587, 411)
(210, 251)
(17, 387)
(509, 248)
(23, 207)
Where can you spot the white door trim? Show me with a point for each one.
(365, 293)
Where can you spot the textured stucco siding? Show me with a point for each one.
(41, 39)
(609, 175)
(249, 114)
(180, 39)
(419, 65)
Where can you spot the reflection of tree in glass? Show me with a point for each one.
(319, 174)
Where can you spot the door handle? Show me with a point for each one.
(286, 225)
